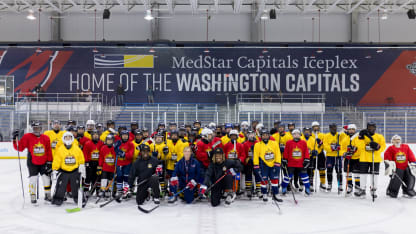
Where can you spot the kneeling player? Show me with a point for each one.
(185, 175)
(399, 161)
(146, 170)
(221, 167)
(296, 159)
(266, 161)
(67, 166)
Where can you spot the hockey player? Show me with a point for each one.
(100, 128)
(197, 125)
(373, 145)
(133, 127)
(160, 128)
(318, 156)
(67, 166)
(220, 167)
(242, 135)
(138, 141)
(226, 138)
(332, 146)
(106, 166)
(183, 135)
(351, 150)
(80, 136)
(39, 158)
(90, 127)
(266, 161)
(185, 175)
(275, 128)
(110, 130)
(248, 165)
(159, 150)
(290, 127)
(55, 135)
(124, 151)
(204, 148)
(281, 137)
(399, 161)
(92, 155)
(310, 142)
(296, 158)
(175, 154)
(254, 125)
(235, 151)
(146, 170)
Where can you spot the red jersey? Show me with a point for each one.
(92, 151)
(39, 148)
(234, 151)
(295, 153)
(107, 158)
(249, 149)
(401, 155)
(128, 149)
(203, 147)
(82, 141)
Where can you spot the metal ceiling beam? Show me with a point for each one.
(260, 9)
(146, 4)
(355, 6)
(330, 8)
(237, 4)
(376, 8)
(8, 7)
(403, 5)
(53, 6)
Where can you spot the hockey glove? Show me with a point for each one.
(231, 171)
(374, 145)
(112, 130)
(306, 163)
(82, 170)
(362, 133)
(174, 181)
(191, 184)
(54, 175)
(16, 134)
(314, 153)
(412, 168)
(165, 150)
(159, 170)
(318, 141)
(202, 190)
(99, 170)
(284, 162)
(390, 167)
(48, 168)
(121, 154)
(154, 154)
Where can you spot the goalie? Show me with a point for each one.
(400, 165)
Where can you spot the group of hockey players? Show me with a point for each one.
(195, 163)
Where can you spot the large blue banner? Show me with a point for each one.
(190, 75)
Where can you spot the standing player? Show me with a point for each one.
(296, 158)
(67, 167)
(235, 151)
(39, 158)
(248, 165)
(318, 155)
(92, 155)
(332, 146)
(110, 130)
(266, 161)
(226, 138)
(398, 160)
(106, 166)
(133, 127)
(373, 145)
(90, 127)
(175, 154)
(351, 150)
(124, 150)
(55, 135)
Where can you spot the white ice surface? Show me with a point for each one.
(321, 213)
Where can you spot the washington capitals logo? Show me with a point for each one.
(42, 71)
(412, 68)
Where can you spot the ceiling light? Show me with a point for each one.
(30, 16)
(148, 15)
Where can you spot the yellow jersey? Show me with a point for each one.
(355, 143)
(269, 153)
(67, 159)
(175, 153)
(330, 140)
(367, 153)
(55, 138)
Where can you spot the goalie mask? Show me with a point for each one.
(68, 138)
(396, 140)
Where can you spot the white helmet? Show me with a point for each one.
(315, 123)
(396, 137)
(233, 132)
(212, 126)
(296, 131)
(205, 132)
(90, 122)
(259, 126)
(352, 126)
(68, 142)
(244, 125)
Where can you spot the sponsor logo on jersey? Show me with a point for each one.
(109, 159)
(70, 160)
(38, 150)
(297, 153)
(400, 157)
(95, 155)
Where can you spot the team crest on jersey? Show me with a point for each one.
(400, 157)
(269, 155)
(38, 150)
(297, 153)
(53, 145)
(109, 159)
(70, 160)
(149, 165)
(232, 155)
(95, 155)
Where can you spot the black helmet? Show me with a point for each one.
(109, 137)
(290, 124)
(73, 122)
(81, 127)
(145, 129)
(110, 122)
(94, 131)
(161, 124)
(276, 122)
(371, 123)
(333, 125)
(174, 132)
(36, 123)
(172, 124)
(264, 131)
(134, 123)
(144, 147)
(138, 132)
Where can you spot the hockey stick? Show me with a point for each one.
(316, 163)
(291, 187)
(398, 177)
(20, 166)
(177, 193)
(117, 198)
(274, 201)
(373, 195)
(147, 211)
(216, 182)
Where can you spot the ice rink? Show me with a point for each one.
(320, 213)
